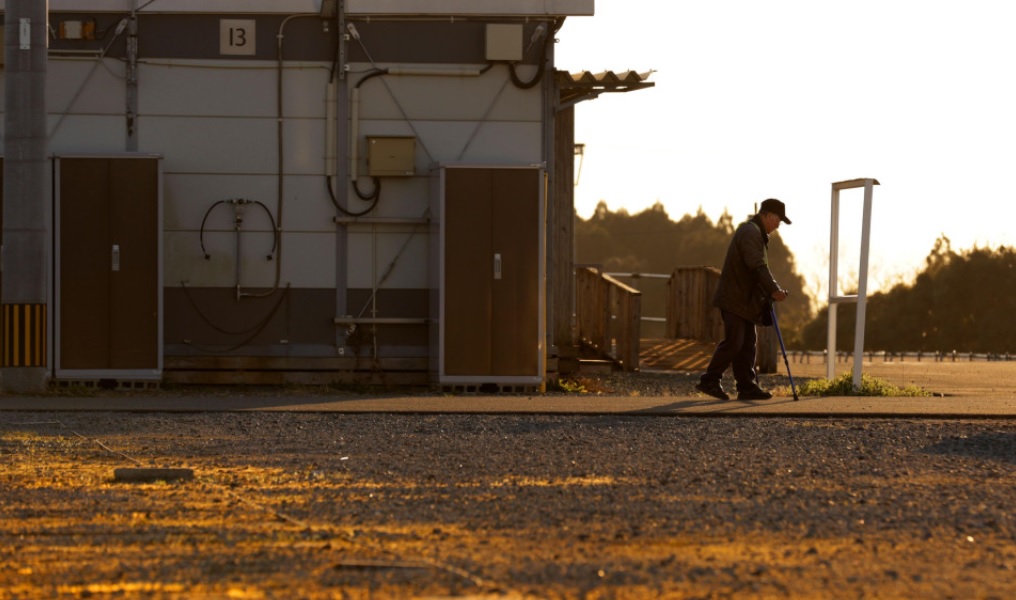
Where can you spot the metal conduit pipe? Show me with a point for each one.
(436, 72)
(354, 134)
(330, 137)
(280, 191)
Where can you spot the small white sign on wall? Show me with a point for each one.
(236, 37)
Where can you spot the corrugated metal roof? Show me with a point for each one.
(585, 85)
(608, 77)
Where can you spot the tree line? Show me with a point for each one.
(961, 301)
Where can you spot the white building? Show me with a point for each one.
(271, 191)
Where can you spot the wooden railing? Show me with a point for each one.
(690, 310)
(691, 314)
(608, 316)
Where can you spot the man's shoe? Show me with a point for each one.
(755, 394)
(712, 389)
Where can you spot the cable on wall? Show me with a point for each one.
(236, 202)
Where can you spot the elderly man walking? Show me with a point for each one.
(744, 296)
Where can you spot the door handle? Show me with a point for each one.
(116, 257)
(497, 265)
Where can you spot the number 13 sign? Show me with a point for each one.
(236, 36)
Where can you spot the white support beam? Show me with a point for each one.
(861, 299)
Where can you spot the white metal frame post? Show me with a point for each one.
(862, 284)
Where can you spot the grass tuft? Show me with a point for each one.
(870, 386)
(570, 386)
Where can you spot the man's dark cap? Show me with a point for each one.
(776, 207)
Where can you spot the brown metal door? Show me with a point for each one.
(134, 287)
(469, 270)
(85, 256)
(515, 295)
(492, 287)
(108, 263)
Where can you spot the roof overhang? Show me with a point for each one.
(577, 87)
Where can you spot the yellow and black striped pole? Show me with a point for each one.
(24, 335)
(27, 176)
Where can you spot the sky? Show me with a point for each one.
(781, 98)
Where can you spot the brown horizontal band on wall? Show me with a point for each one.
(24, 335)
(198, 36)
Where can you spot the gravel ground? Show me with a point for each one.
(392, 506)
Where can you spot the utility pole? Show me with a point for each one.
(26, 241)
(132, 78)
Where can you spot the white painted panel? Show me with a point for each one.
(187, 196)
(491, 96)
(198, 145)
(240, 145)
(187, 90)
(235, 145)
(304, 146)
(88, 134)
(506, 142)
(308, 260)
(307, 206)
(222, 88)
(304, 90)
(184, 260)
(410, 269)
(469, 7)
(84, 87)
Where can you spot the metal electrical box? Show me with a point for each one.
(391, 156)
(504, 41)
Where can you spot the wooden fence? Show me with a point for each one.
(690, 310)
(691, 314)
(608, 314)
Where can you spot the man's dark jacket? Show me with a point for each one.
(746, 284)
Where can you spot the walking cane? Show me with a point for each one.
(779, 336)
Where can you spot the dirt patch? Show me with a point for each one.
(396, 506)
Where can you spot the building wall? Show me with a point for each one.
(215, 120)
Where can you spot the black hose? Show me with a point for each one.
(375, 194)
(201, 233)
(271, 218)
(373, 197)
(250, 333)
(371, 75)
(525, 85)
